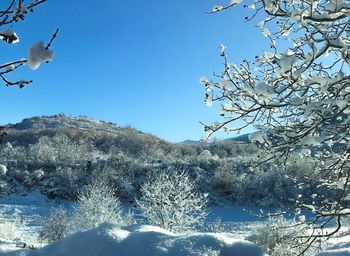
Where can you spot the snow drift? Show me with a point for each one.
(110, 239)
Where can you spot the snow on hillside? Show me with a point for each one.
(143, 240)
(63, 121)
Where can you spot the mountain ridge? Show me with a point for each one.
(47, 124)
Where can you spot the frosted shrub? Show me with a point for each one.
(38, 174)
(42, 151)
(8, 231)
(217, 226)
(11, 228)
(34, 178)
(125, 187)
(170, 201)
(265, 187)
(3, 169)
(3, 187)
(66, 182)
(278, 237)
(225, 179)
(61, 149)
(55, 226)
(96, 204)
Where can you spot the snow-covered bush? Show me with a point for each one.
(97, 203)
(225, 179)
(38, 174)
(169, 200)
(123, 182)
(3, 169)
(19, 175)
(125, 187)
(31, 179)
(62, 149)
(217, 226)
(3, 187)
(65, 182)
(3, 179)
(11, 228)
(8, 231)
(6, 151)
(55, 226)
(260, 189)
(70, 151)
(9, 153)
(277, 238)
(42, 151)
(25, 178)
(121, 171)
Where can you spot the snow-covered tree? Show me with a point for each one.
(296, 94)
(55, 226)
(97, 204)
(170, 201)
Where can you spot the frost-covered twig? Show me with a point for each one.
(297, 97)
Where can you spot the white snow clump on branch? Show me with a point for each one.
(38, 53)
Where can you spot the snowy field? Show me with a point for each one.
(22, 217)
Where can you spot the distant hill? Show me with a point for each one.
(104, 135)
(240, 138)
(29, 130)
(62, 121)
(190, 142)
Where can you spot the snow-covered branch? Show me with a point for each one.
(296, 96)
(16, 11)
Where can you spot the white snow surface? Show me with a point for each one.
(340, 247)
(339, 252)
(143, 240)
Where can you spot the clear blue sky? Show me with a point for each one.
(131, 62)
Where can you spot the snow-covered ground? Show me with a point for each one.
(21, 217)
(34, 203)
(110, 239)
